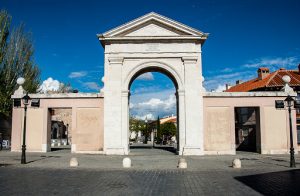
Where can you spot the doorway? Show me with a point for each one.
(61, 128)
(247, 129)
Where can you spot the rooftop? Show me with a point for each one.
(273, 79)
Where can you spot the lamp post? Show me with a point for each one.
(25, 100)
(290, 101)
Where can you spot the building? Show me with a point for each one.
(172, 119)
(266, 81)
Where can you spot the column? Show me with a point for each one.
(125, 121)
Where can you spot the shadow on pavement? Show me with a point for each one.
(166, 148)
(60, 149)
(42, 158)
(141, 147)
(157, 147)
(274, 183)
(4, 165)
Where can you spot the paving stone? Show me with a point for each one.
(154, 173)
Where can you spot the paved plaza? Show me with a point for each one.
(153, 172)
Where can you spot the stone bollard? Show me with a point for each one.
(182, 164)
(126, 162)
(236, 163)
(73, 162)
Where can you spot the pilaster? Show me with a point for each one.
(114, 136)
(193, 106)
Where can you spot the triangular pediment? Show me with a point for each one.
(152, 25)
(152, 29)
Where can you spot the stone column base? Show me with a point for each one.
(220, 152)
(116, 151)
(187, 150)
(73, 148)
(46, 148)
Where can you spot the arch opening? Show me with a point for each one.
(153, 111)
(153, 69)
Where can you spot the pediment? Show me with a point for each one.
(152, 25)
(152, 29)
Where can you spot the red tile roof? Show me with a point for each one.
(274, 79)
(173, 120)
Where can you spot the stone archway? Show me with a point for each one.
(154, 43)
(156, 66)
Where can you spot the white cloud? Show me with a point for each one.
(157, 105)
(146, 76)
(49, 85)
(218, 82)
(277, 62)
(148, 116)
(77, 74)
(226, 70)
(145, 89)
(91, 85)
(131, 105)
(217, 79)
(220, 88)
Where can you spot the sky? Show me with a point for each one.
(243, 35)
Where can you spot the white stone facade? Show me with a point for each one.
(153, 43)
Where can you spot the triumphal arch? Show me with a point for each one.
(153, 43)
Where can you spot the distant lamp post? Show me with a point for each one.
(25, 100)
(289, 102)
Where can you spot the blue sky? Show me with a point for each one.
(243, 36)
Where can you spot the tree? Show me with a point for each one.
(136, 125)
(16, 60)
(168, 129)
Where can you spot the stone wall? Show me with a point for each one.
(85, 118)
(219, 122)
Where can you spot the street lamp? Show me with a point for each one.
(25, 100)
(280, 104)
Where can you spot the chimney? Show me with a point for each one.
(263, 72)
(228, 86)
(238, 82)
(299, 68)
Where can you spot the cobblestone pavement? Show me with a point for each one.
(154, 172)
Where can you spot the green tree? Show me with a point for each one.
(16, 60)
(140, 125)
(168, 129)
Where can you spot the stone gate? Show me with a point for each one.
(153, 43)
